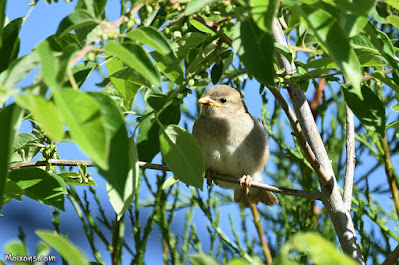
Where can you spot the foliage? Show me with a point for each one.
(164, 54)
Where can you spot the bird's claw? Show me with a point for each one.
(246, 181)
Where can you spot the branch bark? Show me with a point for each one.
(315, 195)
(331, 196)
(393, 257)
(350, 158)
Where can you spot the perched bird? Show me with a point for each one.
(233, 143)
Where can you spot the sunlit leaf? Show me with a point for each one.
(183, 155)
(67, 250)
(82, 114)
(255, 49)
(134, 56)
(40, 185)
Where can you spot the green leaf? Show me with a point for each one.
(328, 31)
(53, 68)
(42, 249)
(82, 114)
(131, 76)
(75, 178)
(169, 182)
(367, 108)
(170, 66)
(66, 249)
(392, 124)
(263, 13)
(387, 80)
(9, 120)
(122, 173)
(255, 49)
(183, 155)
(201, 27)
(26, 146)
(40, 185)
(357, 7)
(202, 259)
(393, 3)
(384, 45)
(16, 248)
(121, 204)
(12, 191)
(2, 19)
(9, 47)
(151, 37)
(18, 70)
(148, 136)
(189, 41)
(196, 5)
(80, 72)
(90, 7)
(127, 89)
(394, 20)
(45, 114)
(59, 43)
(76, 20)
(320, 251)
(217, 71)
(284, 50)
(134, 56)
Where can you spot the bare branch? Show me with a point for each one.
(145, 165)
(350, 158)
(393, 257)
(331, 196)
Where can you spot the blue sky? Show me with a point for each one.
(41, 23)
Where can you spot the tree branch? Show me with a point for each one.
(113, 26)
(145, 165)
(331, 196)
(258, 226)
(214, 27)
(350, 158)
(393, 257)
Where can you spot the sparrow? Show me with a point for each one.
(233, 143)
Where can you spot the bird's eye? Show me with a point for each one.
(223, 100)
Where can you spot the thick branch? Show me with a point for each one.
(331, 196)
(145, 165)
(350, 158)
(393, 257)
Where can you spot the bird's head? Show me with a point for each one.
(222, 101)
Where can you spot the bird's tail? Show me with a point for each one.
(254, 196)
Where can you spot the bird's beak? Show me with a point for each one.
(207, 101)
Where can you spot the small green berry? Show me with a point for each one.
(191, 82)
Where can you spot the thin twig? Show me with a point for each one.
(265, 247)
(350, 158)
(393, 257)
(214, 27)
(145, 165)
(113, 26)
(389, 172)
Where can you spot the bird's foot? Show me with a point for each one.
(208, 175)
(246, 181)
